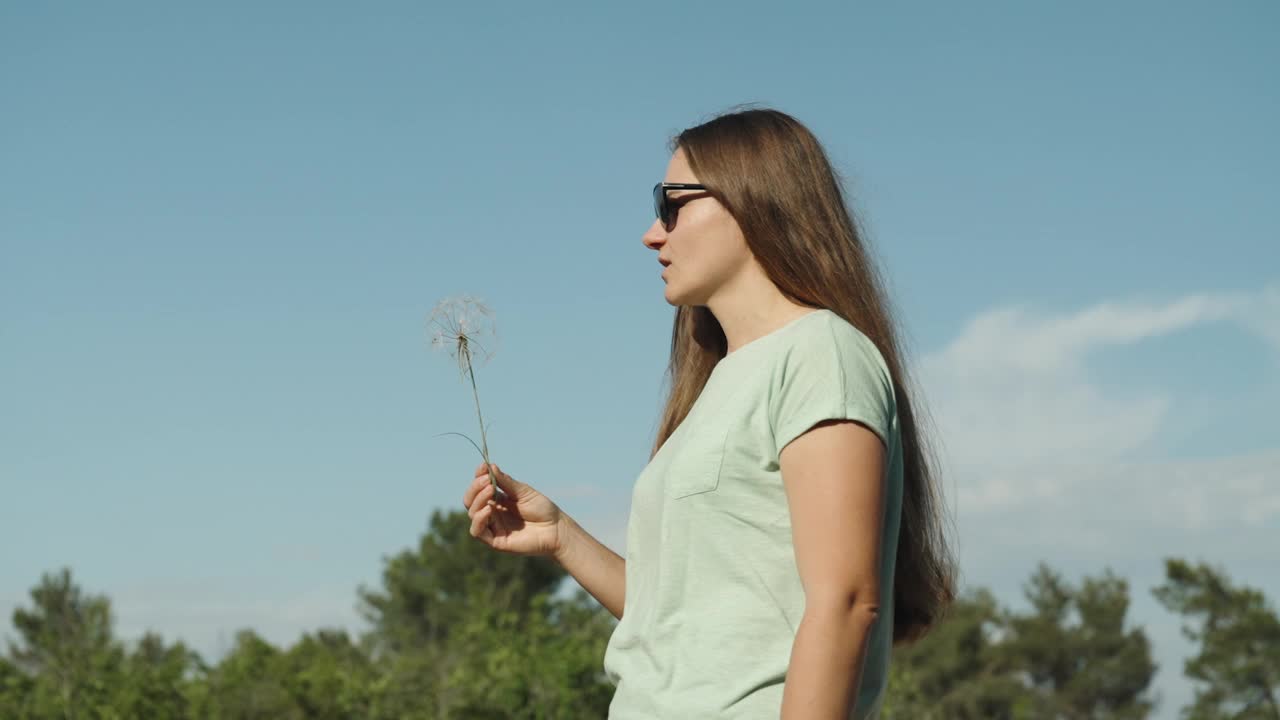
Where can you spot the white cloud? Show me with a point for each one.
(1037, 456)
(1013, 388)
(1042, 463)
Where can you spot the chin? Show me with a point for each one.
(677, 298)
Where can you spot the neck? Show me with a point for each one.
(752, 308)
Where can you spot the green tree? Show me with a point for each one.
(156, 680)
(426, 593)
(246, 684)
(956, 672)
(459, 631)
(1068, 657)
(328, 676)
(541, 664)
(1237, 667)
(323, 676)
(462, 631)
(16, 689)
(1075, 651)
(67, 649)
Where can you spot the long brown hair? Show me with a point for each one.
(775, 179)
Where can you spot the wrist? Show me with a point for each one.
(568, 534)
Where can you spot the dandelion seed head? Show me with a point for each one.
(461, 325)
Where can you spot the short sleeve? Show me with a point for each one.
(836, 373)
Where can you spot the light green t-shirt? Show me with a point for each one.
(713, 596)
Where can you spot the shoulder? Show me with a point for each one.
(832, 343)
(828, 369)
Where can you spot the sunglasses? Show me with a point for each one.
(663, 207)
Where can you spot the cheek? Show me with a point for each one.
(720, 256)
(710, 248)
(707, 267)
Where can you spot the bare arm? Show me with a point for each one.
(835, 485)
(599, 570)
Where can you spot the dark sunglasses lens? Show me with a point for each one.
(660, 205)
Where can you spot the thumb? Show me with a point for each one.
(505, 481)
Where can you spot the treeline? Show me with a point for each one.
(460, 631)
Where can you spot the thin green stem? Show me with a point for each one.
(465, 350)
(473, 442)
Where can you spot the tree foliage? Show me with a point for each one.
(1237, 668)
(1068, 656)
(457, 630)
(957, 671)
(428, 594)
(1080, 659)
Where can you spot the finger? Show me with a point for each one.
(483, 477)
(506, 483)
(502, 500)
(480, 524)
(481, 500)
(476, 484)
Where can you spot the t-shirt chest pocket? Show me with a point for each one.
(695, 467)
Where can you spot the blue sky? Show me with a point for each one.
(222, 229)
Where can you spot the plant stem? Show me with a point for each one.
(465, 349)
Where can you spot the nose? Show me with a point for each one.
(655, 236)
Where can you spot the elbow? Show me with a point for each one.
(861, 606)
(866, 613)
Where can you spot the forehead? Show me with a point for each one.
(678, 170)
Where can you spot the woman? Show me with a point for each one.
(786, 531)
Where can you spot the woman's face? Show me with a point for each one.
(705, 247)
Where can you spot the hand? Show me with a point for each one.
(521, 521)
